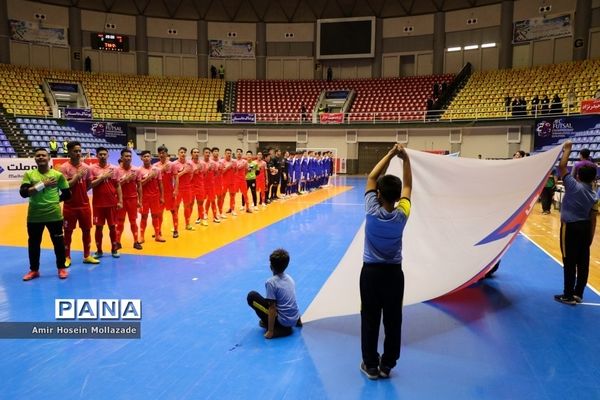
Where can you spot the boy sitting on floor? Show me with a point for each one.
(278, 312)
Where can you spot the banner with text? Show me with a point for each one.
(542, 28)
(230, 49)
(113, 132)
(331, 118)
(243, 118)
(549, 131)
(78, 113)
(591, 106)
(13, 169)
(34, 32)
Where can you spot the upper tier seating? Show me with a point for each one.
(389, 99)
(114, 96)
(483, 95)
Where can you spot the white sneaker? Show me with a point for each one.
(234, 213)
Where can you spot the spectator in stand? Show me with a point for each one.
(88, 64)
(444, 88)
(303, 115)
(221, 72)
(213, 72)
(571, 99)
(329, 74)
(524, 106)
(545, 105)
(429, 108)
(535, 105)
(53, 146)
(436, 90)
(556, 106)
(220, 108)
(515, 107)
(507, 104)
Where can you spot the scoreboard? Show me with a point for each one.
(110, 42)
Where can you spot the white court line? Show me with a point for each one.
(589, 304)
(559, 263)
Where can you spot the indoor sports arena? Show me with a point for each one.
(303, 199)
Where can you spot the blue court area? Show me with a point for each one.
(504, 338)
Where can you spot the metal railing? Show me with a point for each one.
(388, 117)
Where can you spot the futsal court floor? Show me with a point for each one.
(502, 338)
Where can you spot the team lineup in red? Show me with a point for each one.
(203, 180)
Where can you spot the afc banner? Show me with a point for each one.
(113, 132)
(549, 131)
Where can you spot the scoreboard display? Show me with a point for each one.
(110, 42)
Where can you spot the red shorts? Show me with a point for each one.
(186, 195)
(199, 193)
(209, 191)
(105, 215)
(130, 206)
(241, 186)
(169, 201)
(151, 205)
(74, 215)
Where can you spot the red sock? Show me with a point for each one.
(98, 237)
(86, 236)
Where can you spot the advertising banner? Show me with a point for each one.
(331, 118)
(13, 169)
(243, 118)
(542, 28)
(77, 113)
(230, 49)
(34, 32)
(113, 132)
(549, 131)
(591, 106)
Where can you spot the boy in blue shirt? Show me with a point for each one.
(387, 203)
(278, 312)
(577, 226)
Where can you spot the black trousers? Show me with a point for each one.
(381, 290)
(575, 248)
(273, 186)
(251, 183)
(35, 231)
(260, 305)
(546, 197)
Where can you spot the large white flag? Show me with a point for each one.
(465, 214)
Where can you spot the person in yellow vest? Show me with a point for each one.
(53, 146)
(64, 148)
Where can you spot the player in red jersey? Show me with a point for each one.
(153, 197)
(184, 171)
(166, 172)
(77, 208)
(220, 189)
(229, 181)
(261, 179)
(198, 185)
(240, 178)
(129, 180)
(106, 198)
(209, 185)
